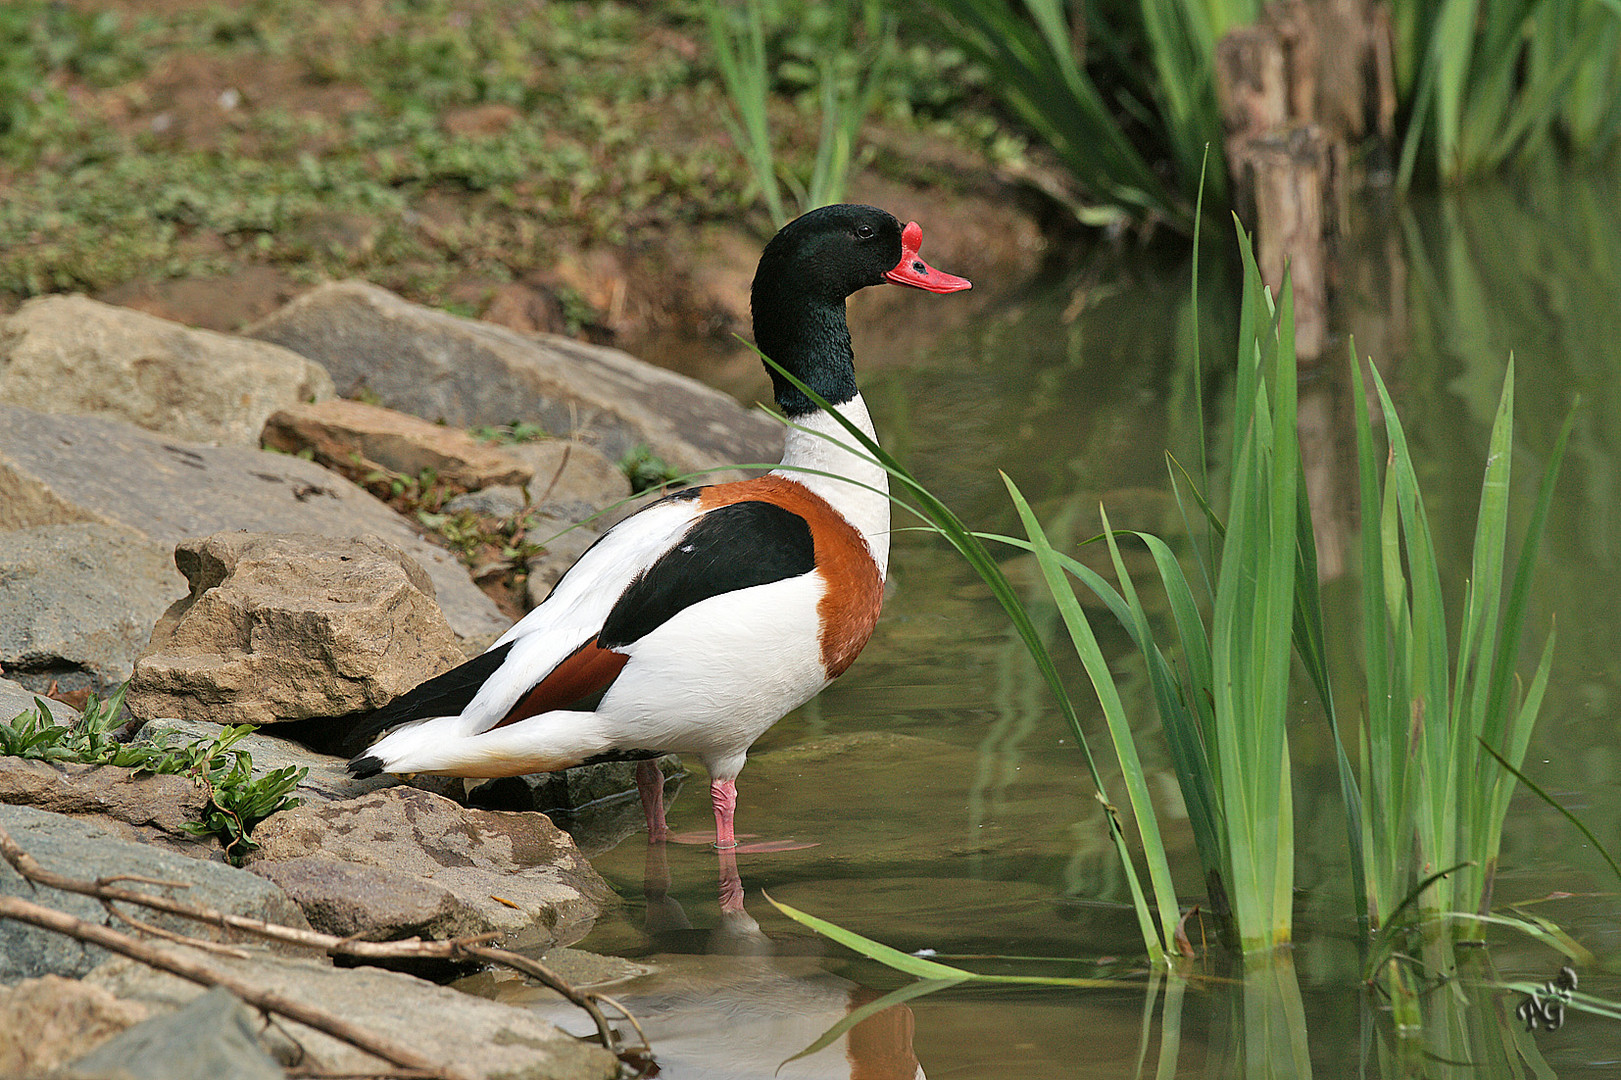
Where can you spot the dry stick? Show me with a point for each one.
(409, 949)
(12, 907)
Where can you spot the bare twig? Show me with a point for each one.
(474, 947)
(12, 907)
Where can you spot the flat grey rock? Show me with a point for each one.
(57, 470)
(79, 602)
(16, 699)
(465, 372)
(328, 779)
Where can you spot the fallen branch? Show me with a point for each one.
(468, 948)
(13, 907)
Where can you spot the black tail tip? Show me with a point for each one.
(364, 766)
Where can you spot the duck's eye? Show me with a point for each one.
(866, 232)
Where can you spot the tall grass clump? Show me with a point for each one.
(1436, 799)
(1222, 690)
(741, 35)
(1483, 82)
(1425, 810)
(1111, 90)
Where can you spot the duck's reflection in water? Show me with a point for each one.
(731, 1005)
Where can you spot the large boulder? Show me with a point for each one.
(290, 626)
(466, 372)
(57, 470)
(87, 849)
(80, 601)
(479, 1038)
(71, 354)
(484, 870)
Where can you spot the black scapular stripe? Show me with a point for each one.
(732, 547)
(442, 695)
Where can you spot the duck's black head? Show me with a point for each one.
(807, 271)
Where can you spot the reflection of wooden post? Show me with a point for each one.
(1289, 176)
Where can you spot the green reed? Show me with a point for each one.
(1483, 82)
(740, 36)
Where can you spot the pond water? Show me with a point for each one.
(949, 807)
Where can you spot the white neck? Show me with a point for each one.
(815, 448)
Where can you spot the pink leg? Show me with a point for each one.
(731, 882)
(723, 796)
(650, 782)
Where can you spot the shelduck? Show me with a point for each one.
(693, 626)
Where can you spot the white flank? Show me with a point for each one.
(708, 682)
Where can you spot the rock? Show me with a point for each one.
(59, 470)
(328, 779)
(88, 849)
(212, 1037)
(351, 435)
(501, 501)
(80, 601)
(16, 699)
(151, 806)
(47, 1021)
(510, 872)
(570, 477)
(481, 1039)
(466, 372)
(598, 805)
(71, 354)
(370, 902)
(288, 626)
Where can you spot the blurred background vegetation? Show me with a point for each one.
(411, 141)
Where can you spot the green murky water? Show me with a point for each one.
(950, 808)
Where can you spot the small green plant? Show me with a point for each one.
(237, 801)
(407, 494)
(519, 431)
(646, 470)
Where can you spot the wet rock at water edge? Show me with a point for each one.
(509, 872)
(70, 354)
(57, 470)
(289, 626)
